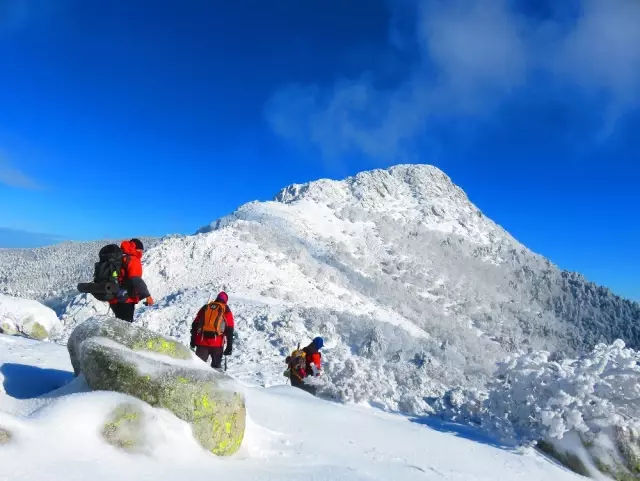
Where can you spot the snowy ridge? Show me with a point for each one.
(413, 289)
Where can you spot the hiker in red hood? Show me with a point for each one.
(130, 278)
(212, 326)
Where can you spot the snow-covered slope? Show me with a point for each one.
(290, 436)
(413, 288)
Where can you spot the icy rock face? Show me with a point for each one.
(116, 356)
(28, 316)
(614, 452)
(130, 336)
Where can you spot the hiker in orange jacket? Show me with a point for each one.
(204, 337)
(130, 278)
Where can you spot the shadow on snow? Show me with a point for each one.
(22, 381)
(461, 430)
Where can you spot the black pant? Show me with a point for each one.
(216, 354)
(124, 310)
(299, 383)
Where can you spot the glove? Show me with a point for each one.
(148, 301)
(229, 336)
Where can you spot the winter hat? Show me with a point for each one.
(318, 342)
(222, 296)
(138, 244)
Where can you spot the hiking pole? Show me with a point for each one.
(225, 363)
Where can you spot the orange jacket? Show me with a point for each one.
(131, 275)
(197, 339)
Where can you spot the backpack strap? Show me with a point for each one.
(126, 258)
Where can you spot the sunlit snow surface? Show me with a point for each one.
(290, 435)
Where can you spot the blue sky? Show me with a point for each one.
(122, 118)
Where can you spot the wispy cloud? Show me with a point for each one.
(16, 238)
(474, 56)
(13, 177)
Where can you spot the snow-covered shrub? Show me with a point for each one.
(585, 412)
(535, 398)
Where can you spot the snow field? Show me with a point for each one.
(290, 435)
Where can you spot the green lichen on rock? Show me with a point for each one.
(210, 401)
(9, 329)
(628, 446)
(134, 337)
(614, 453)
(159, 345)
(5, 436)
(570, 460)
(124, 428)
(37, 331)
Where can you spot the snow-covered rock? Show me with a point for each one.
(27, 316)
(130, 336)
(5, 436)
(116, 356)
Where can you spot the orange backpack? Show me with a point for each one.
(213, 320)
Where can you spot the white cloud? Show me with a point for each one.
(476, 54)
(476, 47)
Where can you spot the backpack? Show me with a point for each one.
(106, 272)
(213, 320)
(297, 362)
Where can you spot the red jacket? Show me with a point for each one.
(198, 339)
(312, 356)
(315, 358)
(131, 275)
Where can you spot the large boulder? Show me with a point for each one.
(114, 355)
(131, 336)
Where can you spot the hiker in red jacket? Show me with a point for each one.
(213, 324)
(304, 363)
(130, 278)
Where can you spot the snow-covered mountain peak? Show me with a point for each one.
(399, 186)
(408, 195)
